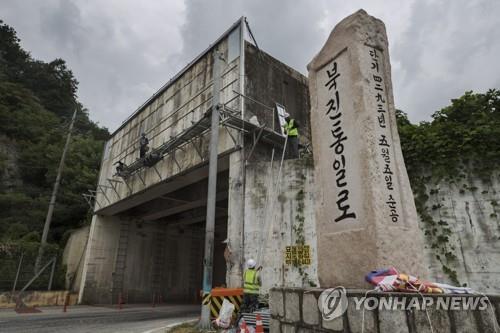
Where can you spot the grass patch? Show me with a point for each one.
(184, 328)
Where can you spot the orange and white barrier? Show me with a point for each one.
(259, 326)
(243, 326)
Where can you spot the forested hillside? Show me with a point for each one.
(37, 100)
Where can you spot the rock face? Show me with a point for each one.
(10, 178)
(365, 216)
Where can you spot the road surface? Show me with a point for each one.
(81, 318)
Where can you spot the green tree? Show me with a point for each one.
(37, 100)
(463, 134)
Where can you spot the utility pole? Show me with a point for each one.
(52, 203)
(212, 184)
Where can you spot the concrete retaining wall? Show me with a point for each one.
(280, 215)
(38, 298)
(73, 257)
(470, 209)
(296, 310)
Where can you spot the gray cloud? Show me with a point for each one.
(448, 48)
(123, 51)
(63, 21)
(120, 51)
(289, 33)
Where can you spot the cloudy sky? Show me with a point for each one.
(122, 51)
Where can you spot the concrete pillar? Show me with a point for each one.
(140, 251)
(366, 216)
(236, 204)
(96, 283)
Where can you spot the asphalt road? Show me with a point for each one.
(80, 319)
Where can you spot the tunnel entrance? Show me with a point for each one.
(162, 243)
(178, 272)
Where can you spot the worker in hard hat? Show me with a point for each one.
(291, 128)
(143, 145)
(251, 287)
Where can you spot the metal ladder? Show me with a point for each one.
(158, 263)
(120, 262)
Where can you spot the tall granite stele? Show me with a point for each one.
(366, 216)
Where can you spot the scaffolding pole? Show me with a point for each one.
(211, 196)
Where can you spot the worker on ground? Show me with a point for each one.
(143, 145)
(291, 130)
(251, 287)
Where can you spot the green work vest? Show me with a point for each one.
(290, 128)
(251, 285)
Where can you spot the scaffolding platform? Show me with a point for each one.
(232, 119)
(228, 118)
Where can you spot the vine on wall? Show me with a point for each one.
(438, 233)
(299, 231)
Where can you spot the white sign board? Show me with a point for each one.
(281, 116)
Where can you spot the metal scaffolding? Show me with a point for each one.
(228, 117)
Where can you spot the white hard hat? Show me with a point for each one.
(287, 115)
(225, 241)
(251, 263)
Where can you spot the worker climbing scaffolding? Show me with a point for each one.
(291, 129)
(143, 145)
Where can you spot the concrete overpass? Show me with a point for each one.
(147, 233)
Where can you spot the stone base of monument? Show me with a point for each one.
(297, 310)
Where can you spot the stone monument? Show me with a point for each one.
(366, 217)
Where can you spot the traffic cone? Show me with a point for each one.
(243, 326)
(259, 327)
(120, 301)
(66, 301)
